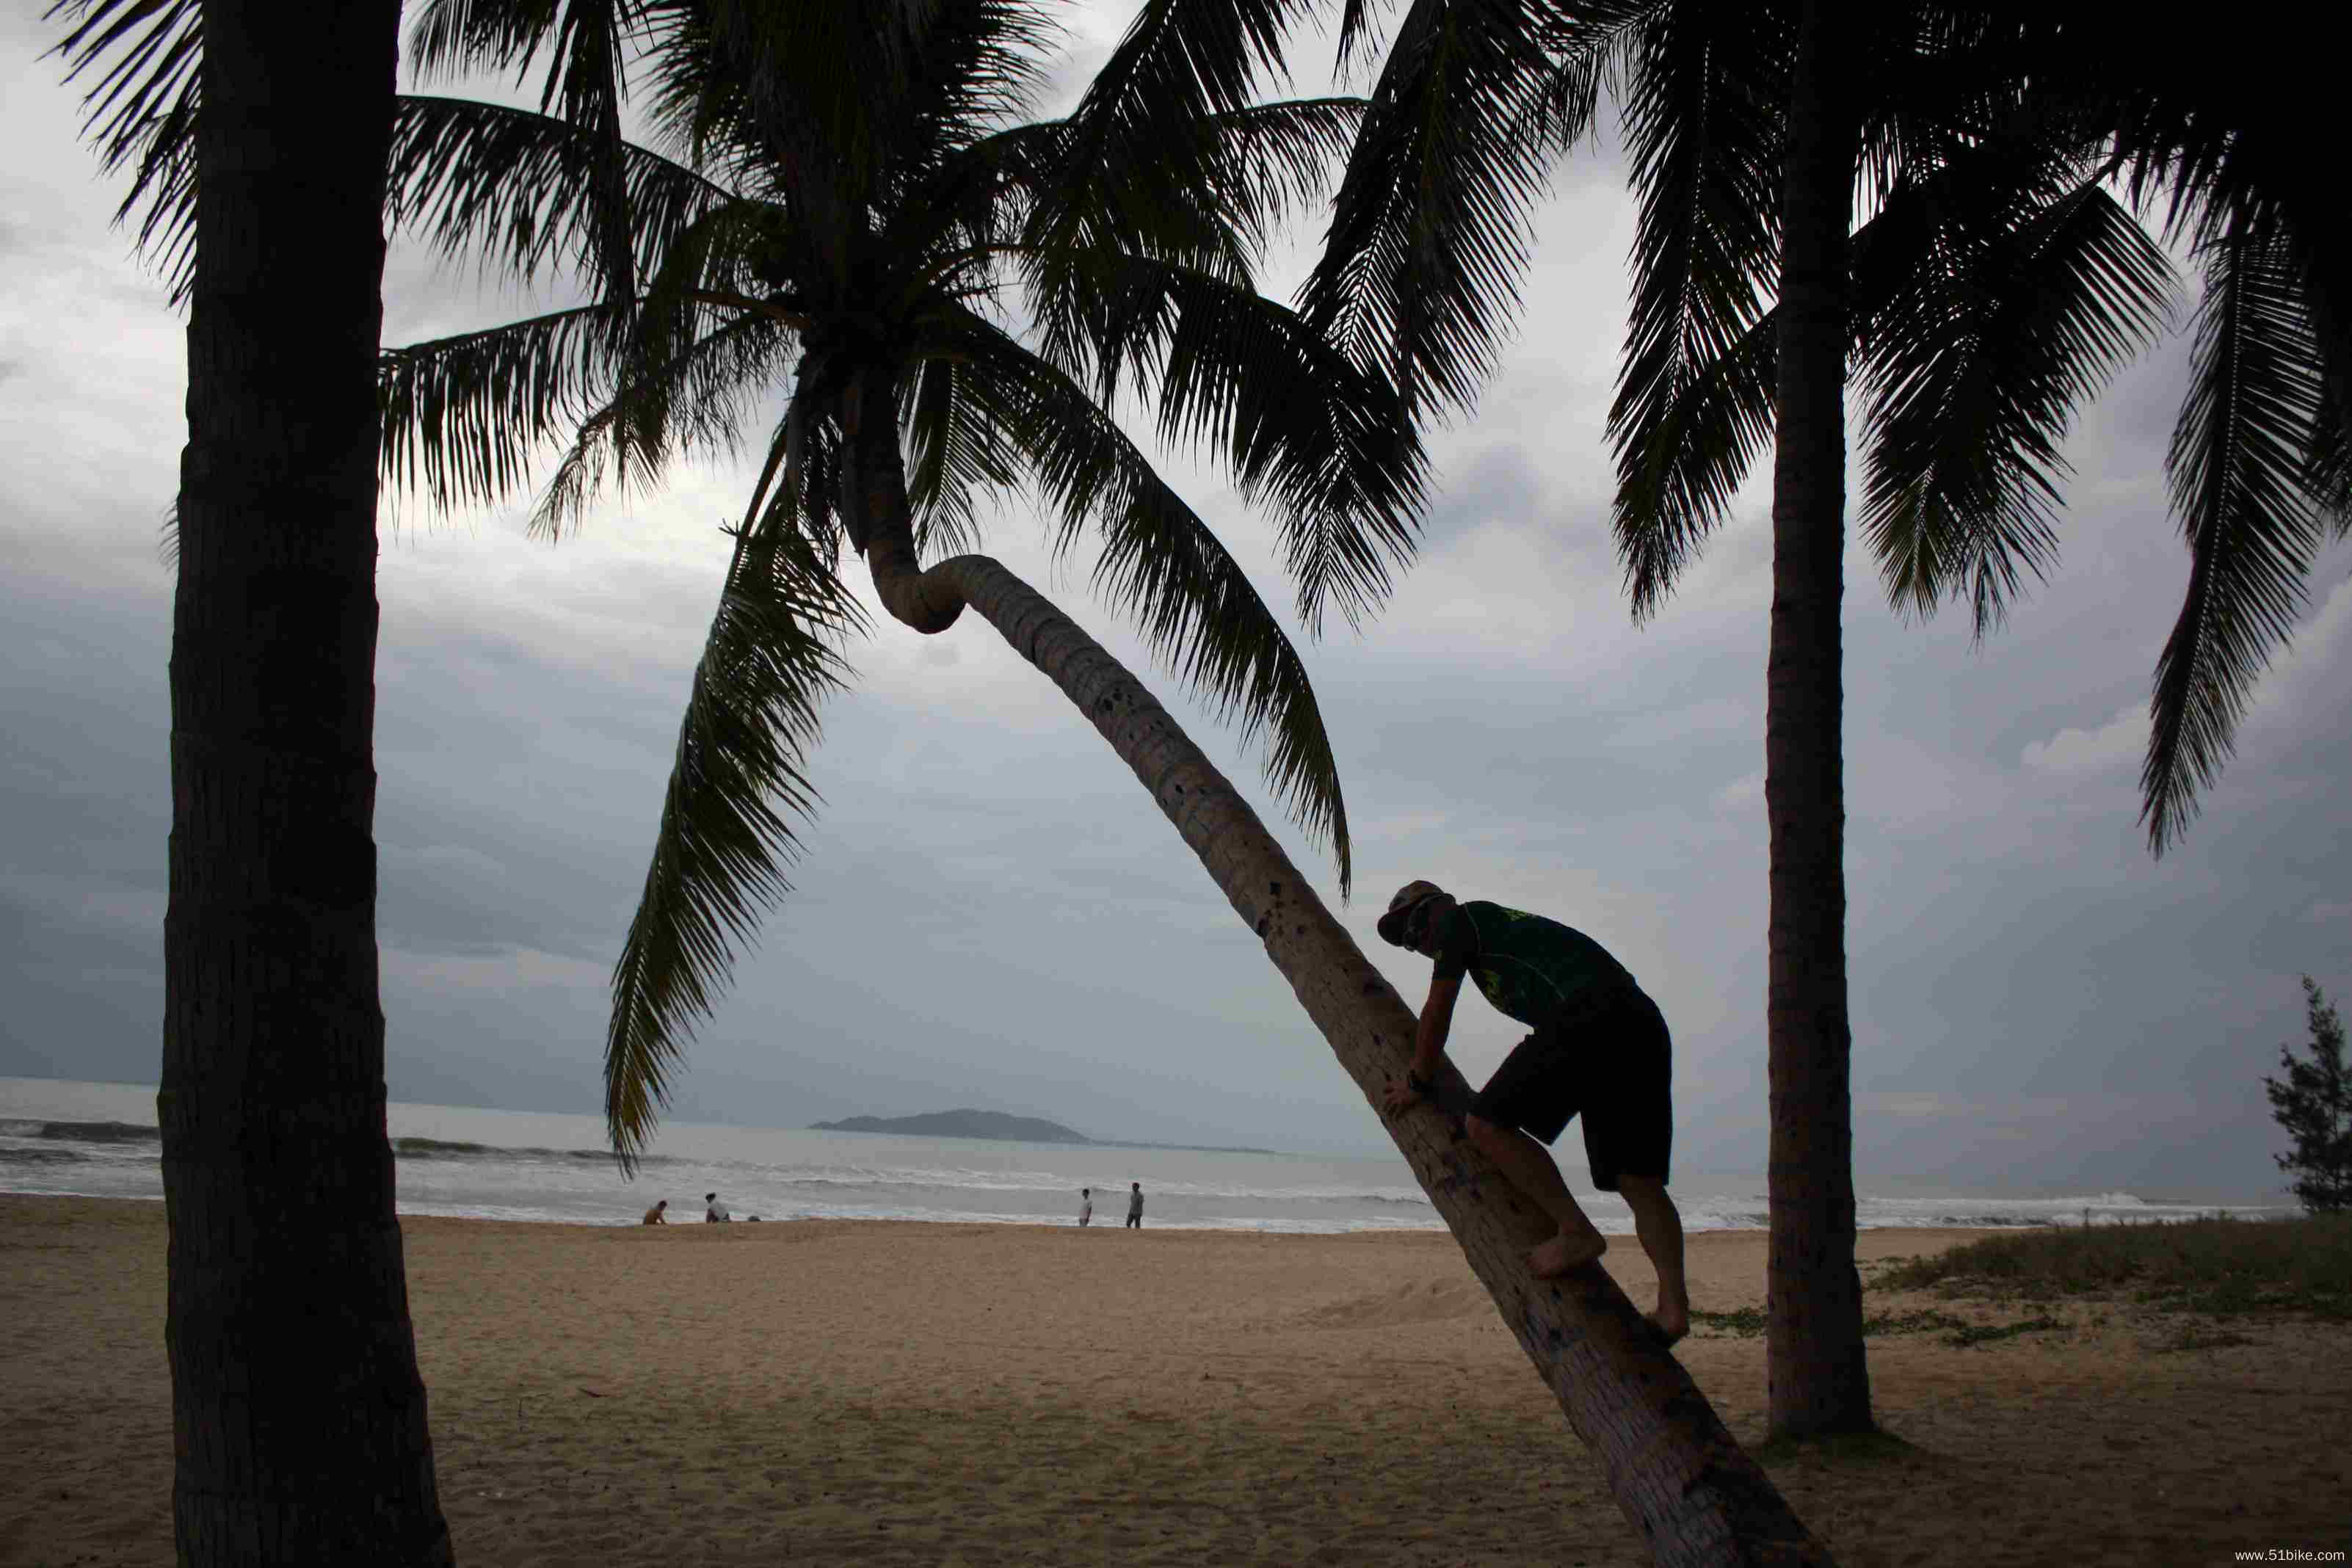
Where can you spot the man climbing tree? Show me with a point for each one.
(1600, 1047)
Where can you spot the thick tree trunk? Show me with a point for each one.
(1695, 1497)
(298, 1413)
(1819, 1381)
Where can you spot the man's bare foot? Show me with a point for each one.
(1563, 1252)
(1673, 1324)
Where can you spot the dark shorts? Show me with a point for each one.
(1608, 1058)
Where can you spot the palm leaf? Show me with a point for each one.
(2236, 467)
(520, 190)
(693, 401)
(1418, 280)
(1180, 62)
(1330, 448)
(1212, 204)
(1163, 568)
(1973, 374)
(586, 44)
(725, 835)
(957, 453)
(1703, 130)
(1676, 474)
(465, 417)
(141, 111)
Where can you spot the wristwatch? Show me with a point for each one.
(1419, 1084)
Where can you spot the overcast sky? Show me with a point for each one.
(993, 914)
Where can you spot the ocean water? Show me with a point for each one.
(99, 1140)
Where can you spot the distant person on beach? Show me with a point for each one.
(1135, 1206)
(1086, 1206)
(713, 1211)
(1600, 1047)
(659, 1213)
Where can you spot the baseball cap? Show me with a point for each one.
(1410, 896)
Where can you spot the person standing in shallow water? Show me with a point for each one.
(1599, 1049)
(1086, 1207)
(1135, 1206)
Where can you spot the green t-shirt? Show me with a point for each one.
(1527, 967)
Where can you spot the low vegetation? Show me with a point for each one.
(2216, 1267)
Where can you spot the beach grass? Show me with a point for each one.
(1747, 1324)
(2218, 1266)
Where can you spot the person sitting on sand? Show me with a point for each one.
(659, 1213)
(1086, 1207)
(713, 1211)
(1600, 1047)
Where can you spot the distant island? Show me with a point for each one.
(996, 1124)
(961, 1124)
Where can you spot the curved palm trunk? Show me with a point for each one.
(1685, 1484)
(1819, 1381)
(298, 1412)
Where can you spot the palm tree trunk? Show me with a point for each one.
(298, 1412)
(1818, 1379)
(1684, 1483)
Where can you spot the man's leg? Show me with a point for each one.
(1660, 1226)
(1528, 1165)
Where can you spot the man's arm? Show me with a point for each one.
(1429, 1043)
(1436, 1021)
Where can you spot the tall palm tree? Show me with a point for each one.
(844, 202)
(1993, 286)
(298, 1416)
(1992, 293)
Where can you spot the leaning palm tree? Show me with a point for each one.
(260, 133)
(1994, 286)
(845, 205)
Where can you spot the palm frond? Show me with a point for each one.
(1179, 62)
(663, 409)
(1148, 159)
(1419, 278)
(957, 453)
(2330, 476)
(2237, 467)
(1973, 371)
(1164, 569)
(1212, 210)
(1677, 473)
(841, 107)
(520, 190)
(1330, 447)
(464, 417)
(587, 44)
(1355, 39)
(1703, 130)
(140, 111)
(726, 836)
(1589, 43)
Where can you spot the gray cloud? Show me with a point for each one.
(992, 912)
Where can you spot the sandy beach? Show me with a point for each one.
(856, 1393)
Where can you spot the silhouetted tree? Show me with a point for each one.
(2314, 1103)
(259, 133)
